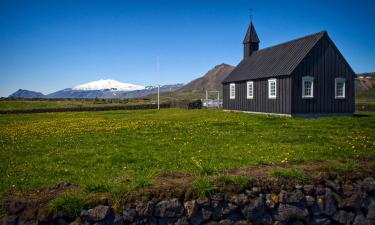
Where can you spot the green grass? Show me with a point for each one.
(346, 166)
(22, 104)
(241, 181)
(71, 203)
(203, 186)
(117, 151)
(288, 173)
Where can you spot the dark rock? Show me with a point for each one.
(344, 217)
(371, 212)
(298, 223)
(360, 219)
(240, 199)
(347, 189)
(164, 221)
(193, 213)
(242, 222)
(129, 214)
(353, 202)
(226, 222)
(62, 185)
(333, 185)
(291, 197)
(326, 203)
(213, 223)
(96, 214)
(204, 202)
(169, 208)
(287, 212)
(182, 221)
(144, 209)
(60, 221)
(191, 208)
(76, 223)
(229, 209)
(368, 184)
(308, 189)
(272, 200)
(256, 212)
(119, 220)
(217, 197)
(206, 214)
(310, 200)
(318, 220)
(29, 222)
(10, 220)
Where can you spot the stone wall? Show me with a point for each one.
(328, 202)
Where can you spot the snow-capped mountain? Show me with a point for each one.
(107, 85)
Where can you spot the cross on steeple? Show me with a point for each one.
(251, 14)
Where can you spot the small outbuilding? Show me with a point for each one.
(307, 76)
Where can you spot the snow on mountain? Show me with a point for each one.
(108, 85)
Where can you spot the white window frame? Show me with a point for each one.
(337, 80)
(250, 94)
(232, 94)
(311, 79)
(270, 81)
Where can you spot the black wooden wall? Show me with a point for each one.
(260, 102)
(324, 63)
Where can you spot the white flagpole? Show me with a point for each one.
(158, 79)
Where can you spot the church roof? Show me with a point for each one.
(251, 35)
(275, 61)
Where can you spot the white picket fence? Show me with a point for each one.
(212, 103)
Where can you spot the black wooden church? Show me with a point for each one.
(301, 77)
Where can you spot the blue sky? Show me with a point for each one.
(50, 45)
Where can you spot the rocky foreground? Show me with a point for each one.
(329, 201)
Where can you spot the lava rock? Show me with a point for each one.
(206, 214)
(368, 184)
(354, 201)
(119, 220)
(256, 212)
(169, 208)
(326, 203)
(371, 212)
(193, 213)
(240, 199)
(96, 214)
(287, 212)
(310, 200)
(360, 219)
(182, 221)
(291, 197)
(344, 217)
(10, 220)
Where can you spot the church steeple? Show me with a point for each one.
(251, 41)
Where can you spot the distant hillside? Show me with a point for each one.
(365, 85)
(210, 81)
(26, 94)
(105, 93)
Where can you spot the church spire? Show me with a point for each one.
(251, 41)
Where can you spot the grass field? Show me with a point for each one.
(22, 104)
(122, 150)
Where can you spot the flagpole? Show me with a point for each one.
(158, 79)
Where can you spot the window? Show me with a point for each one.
(340, 87)
(232, 91)
(307, 87)
(250, 89)
(272, 88)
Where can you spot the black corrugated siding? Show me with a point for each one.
(324, 63)
(260, 102)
